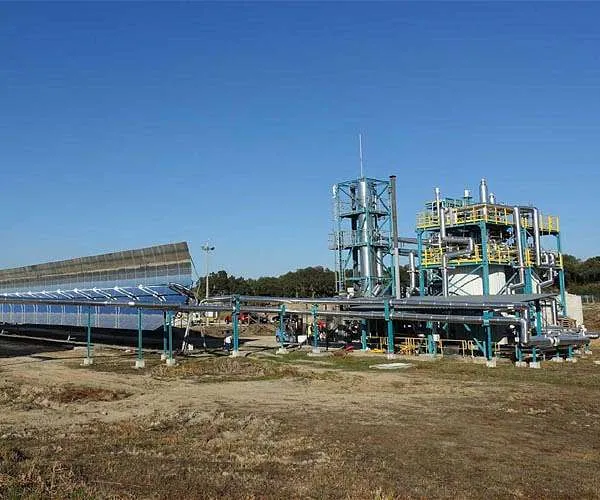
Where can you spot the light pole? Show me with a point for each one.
(207, 249)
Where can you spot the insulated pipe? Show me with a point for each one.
(440, 212)
(549, 279)
(554, 312)
(116, 304)
(413, 302)
(444, 238)
(483, 191)
(445, 279)
(519, 242)
(442, 219)
(524, 327)
(525, 339)
(410, 241)
(460, 240)
(571, 339)
(412, 272)
(536, 235)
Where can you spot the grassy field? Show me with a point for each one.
(297, 427)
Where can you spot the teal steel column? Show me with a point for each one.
(170, 327)
(140, 353)
(485, 262)
(235, 319)
(281, 324)
(528, 280)
(561, 278)
(488, 330)
(89, 333)
(563, 295)
(314, 310)
(390, 328)
(165, 341)
(363, 334)
(421, 270)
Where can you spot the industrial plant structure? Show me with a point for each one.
(467, 252)
(481, 273)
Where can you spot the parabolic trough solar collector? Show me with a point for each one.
(143, 275)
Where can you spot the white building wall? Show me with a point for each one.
(574, 307)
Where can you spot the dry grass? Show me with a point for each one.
(31, 397)
(591, 316)
(24, 477)
(441, 429)
(232, 369)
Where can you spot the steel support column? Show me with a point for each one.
(363, 334)
(487, 315)
(235, 320)
(314, 310)
(139, 362)
(421, 270)
(390, 329)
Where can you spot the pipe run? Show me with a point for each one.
(394, 221)
(443, 239)
(413, 273)
(519, 241)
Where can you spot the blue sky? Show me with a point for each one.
(129, 124)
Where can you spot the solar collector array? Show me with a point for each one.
(141, 275)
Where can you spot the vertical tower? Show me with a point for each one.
(361, 237)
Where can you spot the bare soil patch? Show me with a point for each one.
(258, 428)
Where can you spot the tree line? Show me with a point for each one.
(582, 276)
(317, 281)
(308, 282)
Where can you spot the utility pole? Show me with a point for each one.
(207, 249)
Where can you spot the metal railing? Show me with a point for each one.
(549, 224)
(346, 239)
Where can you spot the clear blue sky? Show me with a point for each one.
(125, 125)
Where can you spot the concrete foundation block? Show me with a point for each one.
(171, 361)
(163, 356)
(491, 363)
(235, 354)
(88, 361)
(319, 354)
(557, 359)
(535, 364)
(140, 363)
(520, 364)
(281, 350)
(390, 355)
(571, 360)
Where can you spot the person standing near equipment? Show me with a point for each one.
(227, 342)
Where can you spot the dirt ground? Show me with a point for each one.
(591, 316)
(294, 426)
